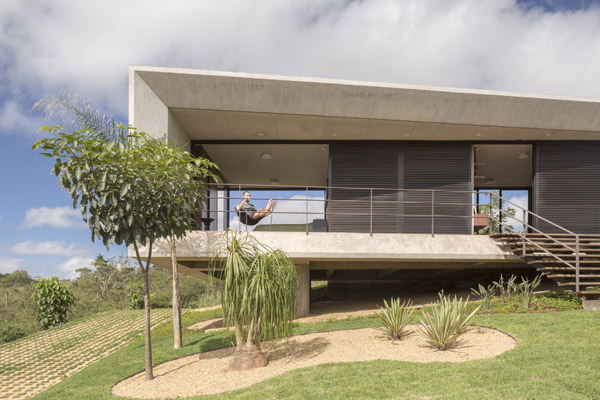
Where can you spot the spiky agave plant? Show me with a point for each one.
(485, 294)
(446, 322)
(259, 291)
(394, 317)
(526, 289)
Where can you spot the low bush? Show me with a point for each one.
(507, 288)
(394, 317)
(485, 294)
(10, 332)
(526, 289)
(446, 322)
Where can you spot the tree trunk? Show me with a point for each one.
(176, 304)
(248, 355)
(147, 337)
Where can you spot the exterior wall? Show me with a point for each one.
(422, 166)
(567, 186)
(363, 165)
(438, 166)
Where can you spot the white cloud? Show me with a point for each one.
(56, 217)
(85, 47)
(521, 201)
(55, 248)
(10, 264)
(290, 210)
(69, 266)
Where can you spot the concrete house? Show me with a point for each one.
(399, 175)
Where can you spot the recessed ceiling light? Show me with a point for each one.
(548, 134)
(261, 134)
(407, 134)
(488, 180)
(334, 134)
(274, 181)
(266, 156)
(523, 156)
(478, 134)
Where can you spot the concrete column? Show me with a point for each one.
(303, 296)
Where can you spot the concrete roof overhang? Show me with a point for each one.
(260, 114)
(214, 106)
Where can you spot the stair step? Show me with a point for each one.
(580, 283)
(581, 276)
(555, 261)
(589, 292)
(570, 243)
(546, 234)
(543, 269)
(590, 252)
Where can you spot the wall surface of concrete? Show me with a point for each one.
(330, 246)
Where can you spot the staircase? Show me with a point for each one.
(570, 260)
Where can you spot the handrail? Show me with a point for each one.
(367, 194)
(523, 235)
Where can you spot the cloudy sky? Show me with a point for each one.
(85, 47)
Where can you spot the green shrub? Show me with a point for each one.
(394, 318)
(135, 296)
(485, 294)
(507, 289)
(526, 289)
(53, 302)
(163, 299)
(10, 332)
(446, 321)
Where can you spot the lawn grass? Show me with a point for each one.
(558, 357)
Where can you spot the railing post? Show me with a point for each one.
(576, 263)
(371, 214)
(307, 210)
(523, 233)
(239, 200)
(432, 213)
(491, 213)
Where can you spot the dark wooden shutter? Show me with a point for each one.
(356, 166)
(437, 166)
(567, 186)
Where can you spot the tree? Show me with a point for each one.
(259, 291)
(118, 178)
(504, 216)
(53, 302)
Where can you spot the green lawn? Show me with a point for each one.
(558, 357)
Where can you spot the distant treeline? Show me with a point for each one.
(112, 284)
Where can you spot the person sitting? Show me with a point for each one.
(248, 213)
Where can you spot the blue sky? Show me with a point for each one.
(47, 48)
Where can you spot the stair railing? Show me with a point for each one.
(528, 227)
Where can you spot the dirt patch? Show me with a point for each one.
(204, 373)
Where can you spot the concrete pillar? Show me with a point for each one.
(303, 296)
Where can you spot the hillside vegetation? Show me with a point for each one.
(112, 284)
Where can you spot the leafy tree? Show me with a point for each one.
(53, 302)
(503, 217)
(259, 292)
(120, 180)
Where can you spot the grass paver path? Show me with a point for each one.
(33, 364)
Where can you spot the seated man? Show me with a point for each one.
(248, 213)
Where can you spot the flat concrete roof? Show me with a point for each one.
(215, 105)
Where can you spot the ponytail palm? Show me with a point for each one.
(259, 292)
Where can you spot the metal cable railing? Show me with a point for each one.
(435, 205)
